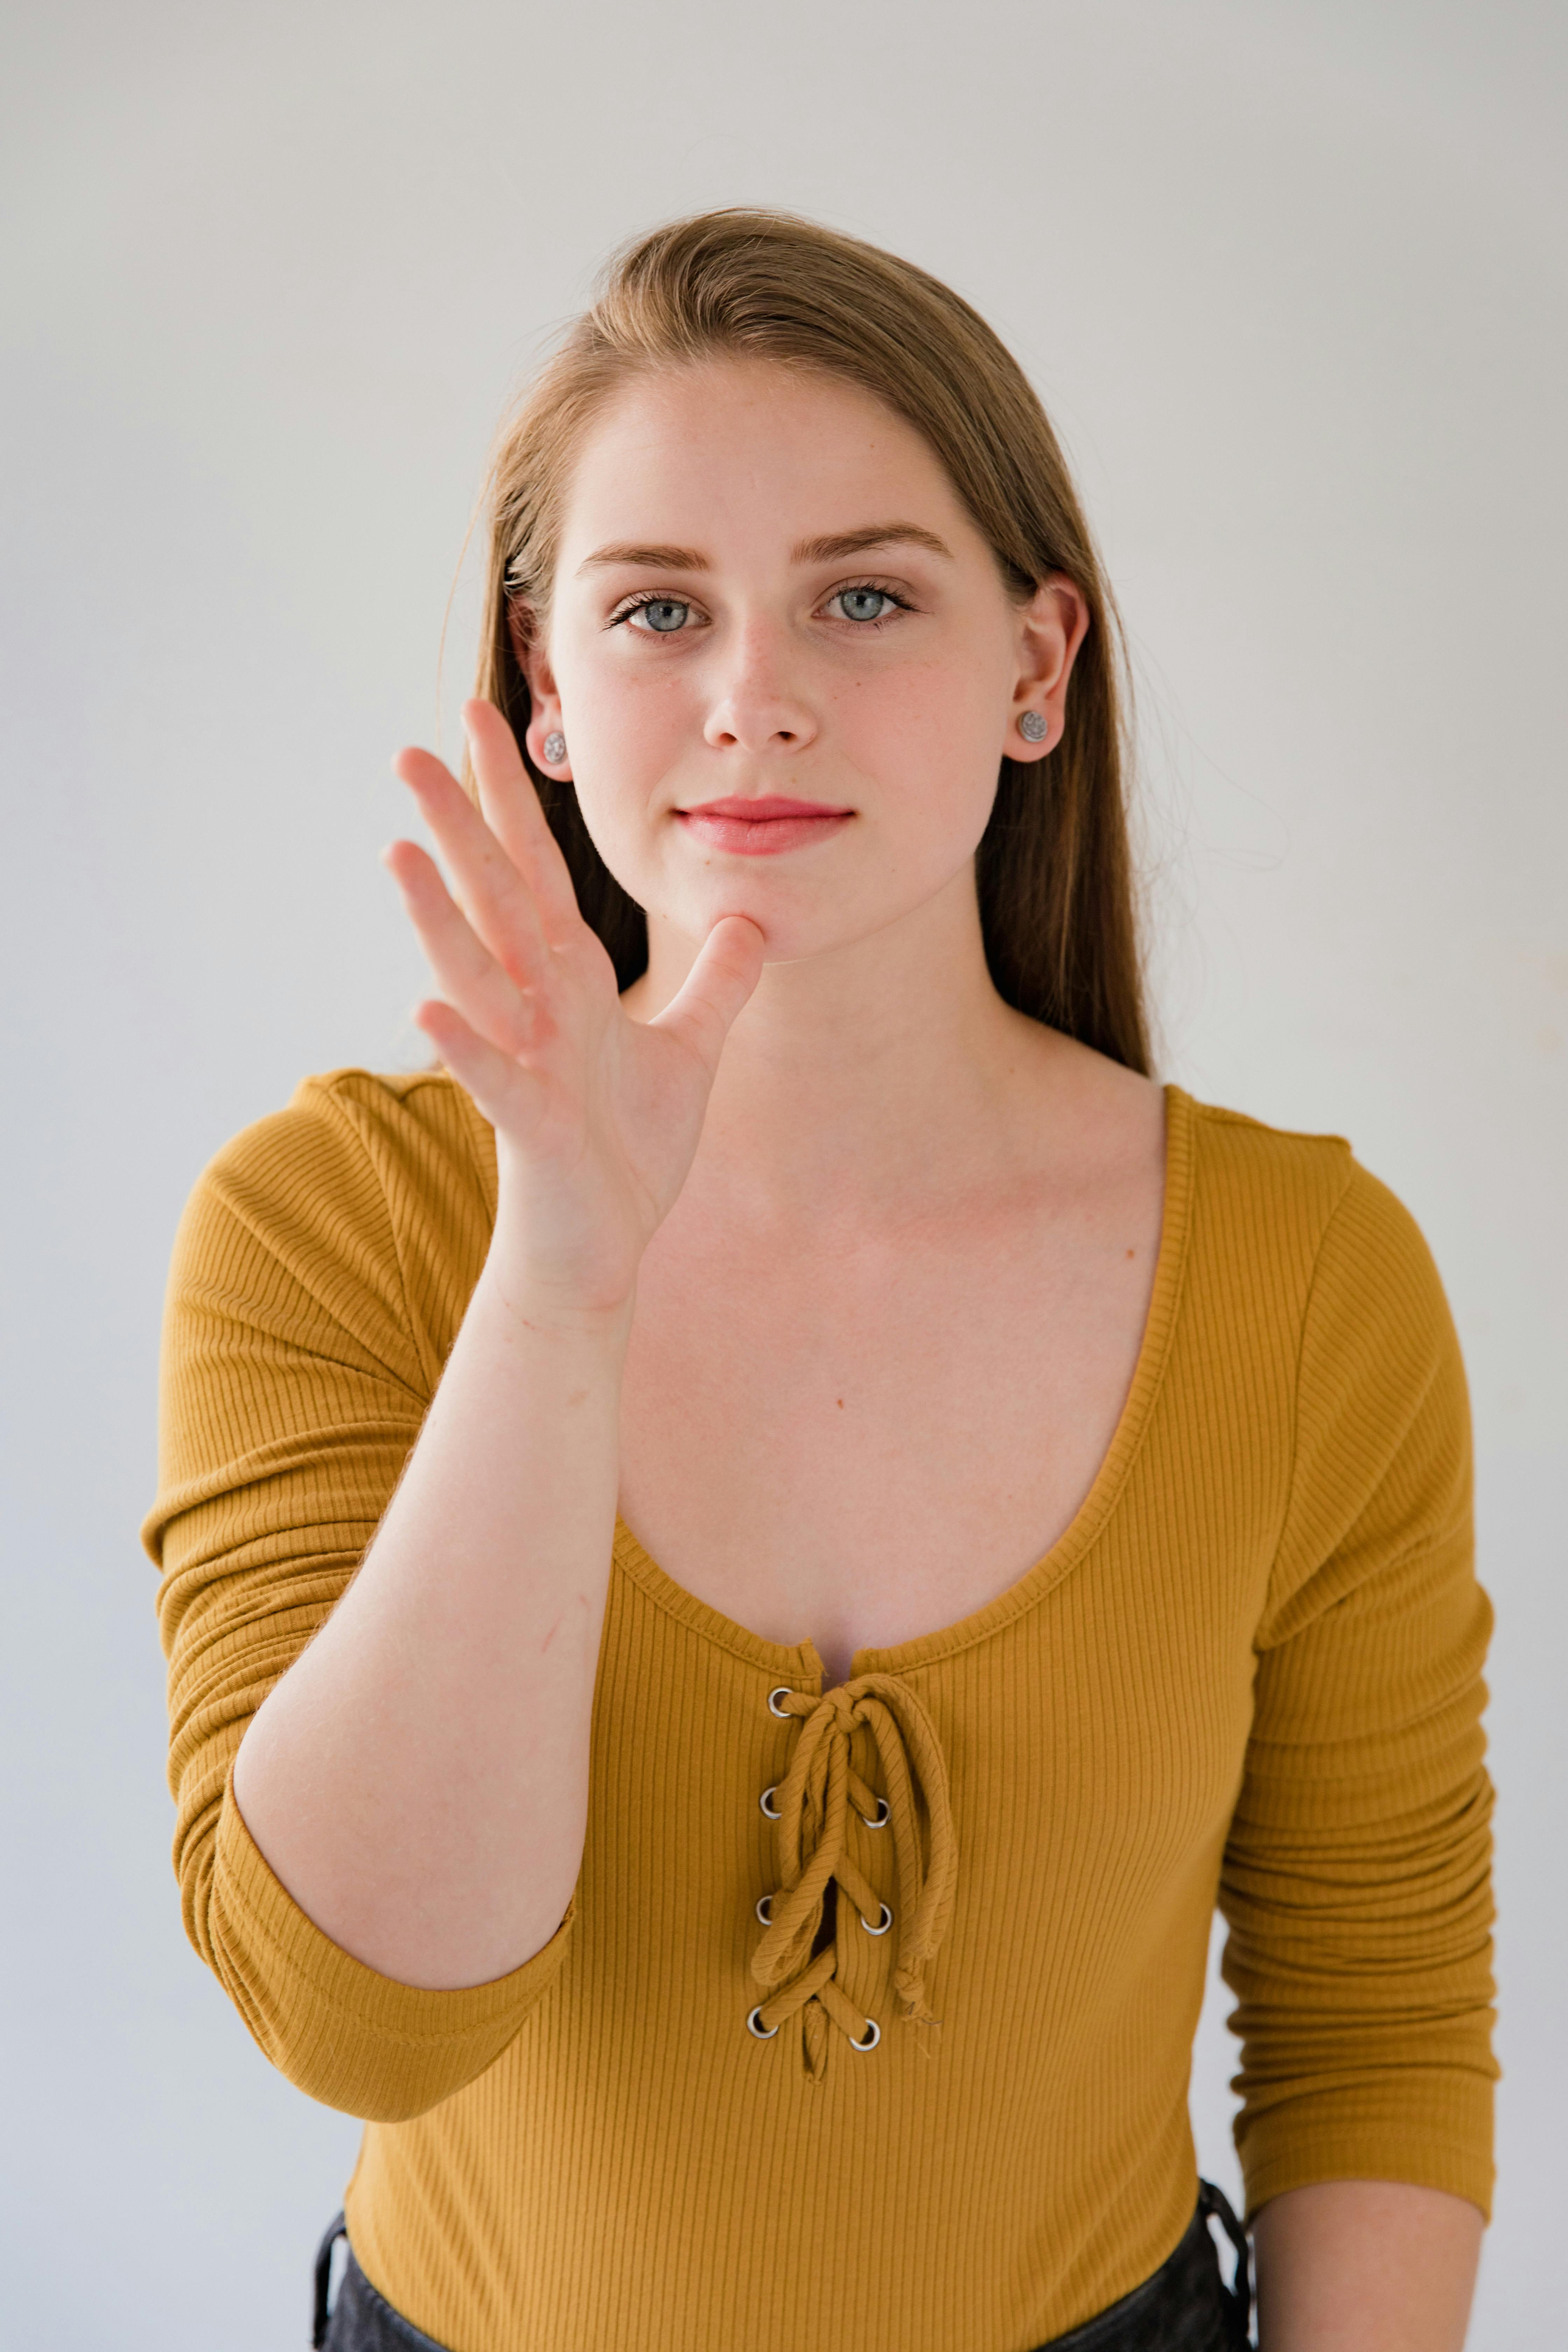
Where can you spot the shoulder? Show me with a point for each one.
(1330, 1275)
(1245, 1162)
(1308, 1197)
(389, 1120)
(351, 1132)
(363, 1188)
(1307, 1273)
(1310, 1285)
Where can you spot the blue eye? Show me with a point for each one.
(664, 613)
(864, 603)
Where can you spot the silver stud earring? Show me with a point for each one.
(1033, 728)
(554, 747)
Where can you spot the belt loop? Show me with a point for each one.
(324, 2281)
(1214, 2204)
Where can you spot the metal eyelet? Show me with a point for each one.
(765, 1909)
(782, 1690)
(883, 1815)
(772, 1811)
(764, 2033)
(883, 1924)
(875, 2030)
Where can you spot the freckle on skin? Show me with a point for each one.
(1131, 1252)
(840, 1404)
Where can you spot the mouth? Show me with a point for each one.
(762, 827)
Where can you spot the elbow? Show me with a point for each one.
(374, 2083)
(347, 2036)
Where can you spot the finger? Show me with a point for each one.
(511, 809)
(466, 972)
(728, 967)
(506, 1093)
(494, 895)
(414, 759)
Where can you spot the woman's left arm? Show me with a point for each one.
(1365, 2266)
(1356, 1879)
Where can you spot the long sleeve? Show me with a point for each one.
(1256, 1648)
(1355, 1883)
(321, 1271)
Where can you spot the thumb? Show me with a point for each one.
(728, 967)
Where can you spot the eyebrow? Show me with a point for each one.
(875, 534)
(652, 559)
(830, 549)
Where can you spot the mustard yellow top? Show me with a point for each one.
(1249, 1672)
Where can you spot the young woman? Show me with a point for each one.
(745, 1561)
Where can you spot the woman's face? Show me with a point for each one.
(783, 656)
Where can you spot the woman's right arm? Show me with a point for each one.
(417, 1780)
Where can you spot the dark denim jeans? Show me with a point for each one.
(359, 2320)
(1186, 2306)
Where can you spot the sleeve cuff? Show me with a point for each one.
(339, 2030)
(1443, 2140)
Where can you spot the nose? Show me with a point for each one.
(755, 707)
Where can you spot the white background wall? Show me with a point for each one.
(1291, 280)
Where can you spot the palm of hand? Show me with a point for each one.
(596, 1116)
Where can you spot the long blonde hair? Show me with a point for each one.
(1053, 869)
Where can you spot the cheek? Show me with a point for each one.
(625, 735)
(614, 704)
(626, 731)
(930, 735)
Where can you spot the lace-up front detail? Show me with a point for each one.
(813, 1804)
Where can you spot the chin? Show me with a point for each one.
(799, 915)
(794, 934)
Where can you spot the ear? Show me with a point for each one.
(1052, 626)
(533, 660)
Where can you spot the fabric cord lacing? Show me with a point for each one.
(813, 1802)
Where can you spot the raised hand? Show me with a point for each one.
(596, 1116)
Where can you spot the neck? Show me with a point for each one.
(872, 1077)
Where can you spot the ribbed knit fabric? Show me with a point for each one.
(1249, 1671)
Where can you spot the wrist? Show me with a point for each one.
(536, 1300)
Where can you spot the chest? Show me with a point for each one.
(862, 1444)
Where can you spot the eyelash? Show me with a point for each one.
(845, 588)
(876, 588)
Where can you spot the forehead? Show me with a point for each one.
(750, 452)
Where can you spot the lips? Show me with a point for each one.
(762, 827)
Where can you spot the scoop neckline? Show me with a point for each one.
(801, 1660)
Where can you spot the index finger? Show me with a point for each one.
(494, 892)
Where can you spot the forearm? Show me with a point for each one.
(418, 1781)
(1365, 2266)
